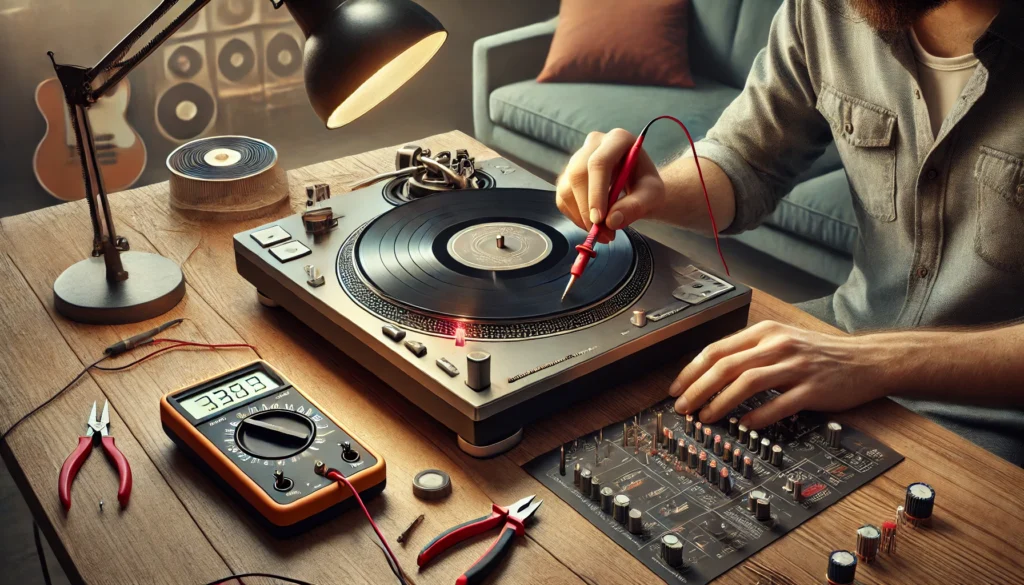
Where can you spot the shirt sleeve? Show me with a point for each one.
(772, 131)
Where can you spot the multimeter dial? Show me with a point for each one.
(275, 434)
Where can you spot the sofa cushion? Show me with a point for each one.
(820, 210)
(561, 114)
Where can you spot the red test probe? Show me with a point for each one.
(625, 170)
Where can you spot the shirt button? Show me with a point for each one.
(922, 272)
(848, 128)
(932, 174)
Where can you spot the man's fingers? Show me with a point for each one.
(743, 340)
(747, 384)
(635, 206)
(566, 201)
(722, 373)
(601, 166)
(786, 404)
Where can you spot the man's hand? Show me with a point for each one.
(582, 192)
(813, 371)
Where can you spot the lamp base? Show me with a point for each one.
(154, 286)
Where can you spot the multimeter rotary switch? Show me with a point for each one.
(275, 434)
(282, 483)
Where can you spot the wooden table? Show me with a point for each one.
(180, 528)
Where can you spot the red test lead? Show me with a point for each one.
(625, 170)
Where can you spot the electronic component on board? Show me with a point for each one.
(919, 503)
(869, 537)
(842, 568)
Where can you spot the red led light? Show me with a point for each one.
(460, 336)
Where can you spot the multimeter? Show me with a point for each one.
(261, 438)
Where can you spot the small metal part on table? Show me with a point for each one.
(431, 484)
(901, 518)
(869, 538)
(889, 531)
(842, 567)
(404, 536)
(919, 503)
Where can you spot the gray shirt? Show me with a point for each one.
(941, 217)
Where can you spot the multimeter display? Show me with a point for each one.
(228, 394)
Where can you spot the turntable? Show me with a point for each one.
(452, 296)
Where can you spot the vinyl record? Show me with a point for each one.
(222, 158)
(234, 12)
(185, 111)
(439, 255)
(236, 60)
(184, 62)
(284, 56)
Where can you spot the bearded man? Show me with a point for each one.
(925, 101)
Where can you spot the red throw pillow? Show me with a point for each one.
(637, 42)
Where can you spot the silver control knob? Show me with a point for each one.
(672, 550)
(635, 523)
(478, 370)
(639, 318)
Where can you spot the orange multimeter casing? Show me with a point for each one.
(259, 436)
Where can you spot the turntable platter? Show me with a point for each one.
(437, 257)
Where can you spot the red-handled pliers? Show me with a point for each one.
(512, 517)
(95, 432)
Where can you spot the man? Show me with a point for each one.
(925, 101)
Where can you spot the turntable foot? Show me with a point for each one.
(266, 301)
(493, 449)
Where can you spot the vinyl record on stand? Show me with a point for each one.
(185, 111)
(284, 55)
(235, 60)
(436, 260)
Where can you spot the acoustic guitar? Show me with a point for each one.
(119, 148)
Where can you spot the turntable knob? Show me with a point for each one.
(639, 318)
(672, 550)
(478, 370)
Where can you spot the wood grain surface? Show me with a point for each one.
(180, 528)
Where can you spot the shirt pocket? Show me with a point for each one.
(864, 137)
(1000, 228)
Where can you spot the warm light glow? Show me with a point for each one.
(460, 336)
(386, 80)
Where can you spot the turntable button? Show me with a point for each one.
(394, 333)
(478, 366)
(270, 236)
(289, 251)
(448, 367)
(417, 348)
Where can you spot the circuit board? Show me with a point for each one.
(716, 527)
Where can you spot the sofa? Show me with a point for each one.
(542, 124)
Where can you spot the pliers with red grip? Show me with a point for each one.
(95, 432)
(512, 517)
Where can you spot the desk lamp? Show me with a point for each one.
(357, 52)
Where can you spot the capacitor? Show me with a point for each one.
(585, 478)
(620, 508)
(920, 501)
(702, 464)
(763, 510)
(724, 483)
(734, 426)
(689, 425)
(834, 434)
(748, 467)
(727, 452)
(716, 445)
(698, 430)
(707, 439)
(561, 461)
(842, 567)
(595, 488)
(691, 457)
(576, 475)
(798, 491)
(889, 537)
(753, 496)
(868, 539)
(607, 495)
(737, 459)
(753, 441)
(776, 456)
(713, 471)
(742, 434)
(635, 524)
(672, 551)
(765, 449)
(658, 426)
(625, 435)
(680, 450)
(901, 519)
(670, 442)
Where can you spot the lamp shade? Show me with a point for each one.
(359, 52)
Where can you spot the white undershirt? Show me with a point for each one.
(942, 80)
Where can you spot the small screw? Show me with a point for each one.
(101, 505)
